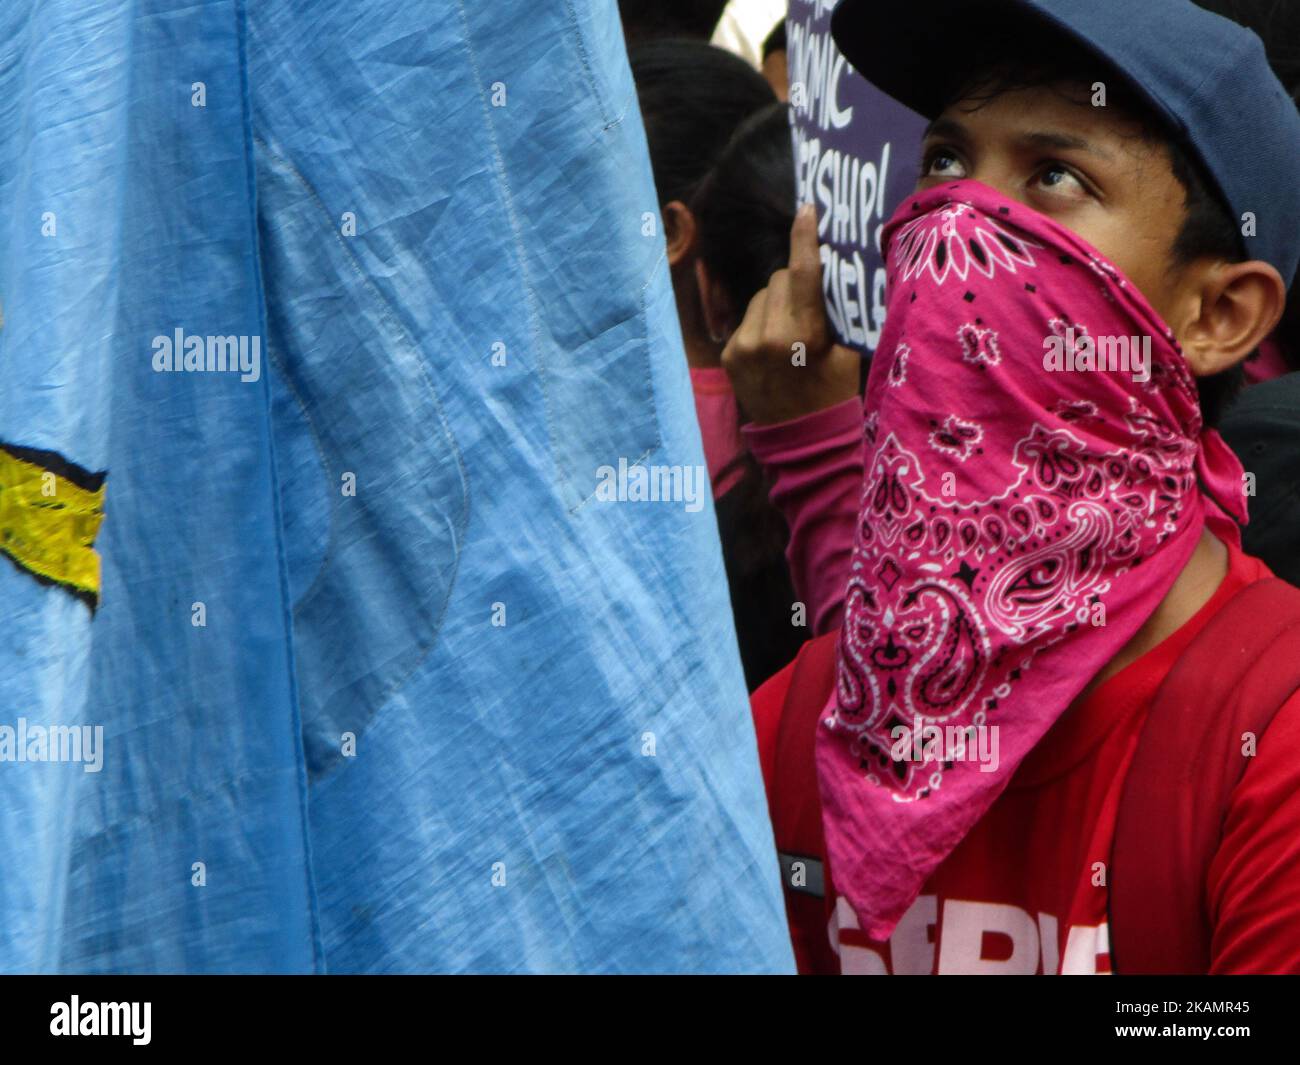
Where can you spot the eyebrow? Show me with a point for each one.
(952, 129)
(1063, 142)
(946, 127)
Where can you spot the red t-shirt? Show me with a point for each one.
(1025, 891)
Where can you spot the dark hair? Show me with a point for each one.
(647, 20)
(774, 41)
(745, 207)
(743, 213)
(692, 96)
(743, 210)
(1036, 56)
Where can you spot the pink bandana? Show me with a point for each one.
(1012, 491)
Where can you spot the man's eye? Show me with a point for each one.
(943, 164)
(1060, 179)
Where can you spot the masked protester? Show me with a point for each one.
(1054, 730)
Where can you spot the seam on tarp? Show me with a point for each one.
(584, 61)
(383, 307)
(569, 489)
(319, 963)
(461, 526)
(516, 233)
(280, 362)
(644, 315)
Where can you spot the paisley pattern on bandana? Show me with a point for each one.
(979, 345)
(955, 240)
(957, 437)
(898, 369)
(1006, 510)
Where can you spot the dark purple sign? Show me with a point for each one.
(856, 153)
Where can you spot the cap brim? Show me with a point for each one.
(918, 51)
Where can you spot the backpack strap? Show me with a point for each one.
(797, 817)
(796, 804)
(1232, 679)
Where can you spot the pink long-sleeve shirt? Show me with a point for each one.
(815, 463)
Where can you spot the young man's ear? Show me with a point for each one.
(679, 231)
(718, 315)
(1235, 307)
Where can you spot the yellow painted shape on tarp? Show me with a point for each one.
(48, 524)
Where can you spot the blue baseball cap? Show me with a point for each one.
(1206, 77)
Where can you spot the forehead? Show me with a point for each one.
(1061, 114)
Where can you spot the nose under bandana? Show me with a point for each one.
(1036, 477)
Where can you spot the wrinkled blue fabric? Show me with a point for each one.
(439, 219)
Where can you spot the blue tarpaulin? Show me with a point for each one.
(383, 685)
